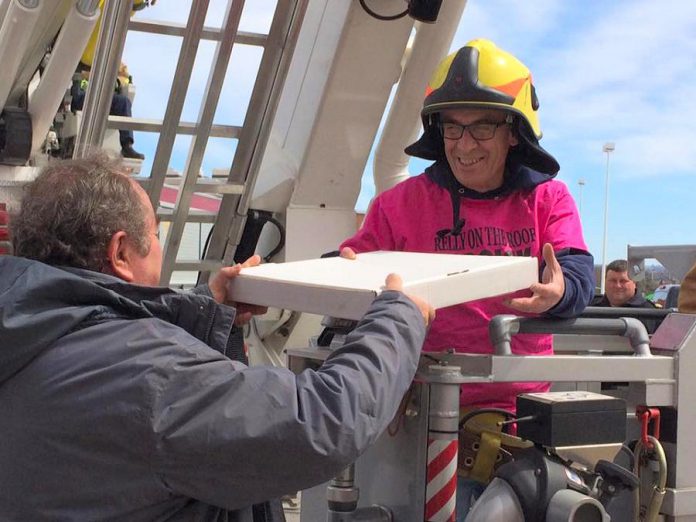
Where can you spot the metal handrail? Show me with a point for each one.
(503, 327)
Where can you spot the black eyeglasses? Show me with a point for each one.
(480, 131)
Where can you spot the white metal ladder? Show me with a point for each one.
(235, 191)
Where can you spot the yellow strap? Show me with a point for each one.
(485, 457)
(484, 425)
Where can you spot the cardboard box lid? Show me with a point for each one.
(345, 288)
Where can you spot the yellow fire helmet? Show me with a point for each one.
(482, 76)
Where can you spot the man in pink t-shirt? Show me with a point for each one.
(490, 191)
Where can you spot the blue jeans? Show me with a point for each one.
(120, 106)
(467, 492)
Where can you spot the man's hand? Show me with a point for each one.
(218, 287)
(394, 282)
(546, 294)
(347, 253)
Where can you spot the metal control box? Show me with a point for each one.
(574, 418)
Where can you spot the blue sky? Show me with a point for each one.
(618, 71)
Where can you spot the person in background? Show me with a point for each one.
(120, 106)
(490, 191)
(620, 289)
(120, 102)
(122, 400)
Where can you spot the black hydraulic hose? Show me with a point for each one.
(468, 416)
(379, 16)
(281, 241)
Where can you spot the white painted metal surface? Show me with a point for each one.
(15, 33)
(430, 44)
(362, 71)
(380, 470)
(56, 77)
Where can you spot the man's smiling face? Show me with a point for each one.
(478, 164)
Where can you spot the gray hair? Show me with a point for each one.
(72, 209)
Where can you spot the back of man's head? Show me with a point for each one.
(72, 209)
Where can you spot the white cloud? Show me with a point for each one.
(627, 74)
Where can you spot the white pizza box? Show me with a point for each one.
(345, 288)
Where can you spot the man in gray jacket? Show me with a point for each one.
(118, 398)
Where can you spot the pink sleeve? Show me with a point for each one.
(563, 228)
(375, 232)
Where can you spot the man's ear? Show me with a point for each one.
(119, 254)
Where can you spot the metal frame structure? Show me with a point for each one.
(678, 259)
(393, 472)
(235, 191)
(107, 57)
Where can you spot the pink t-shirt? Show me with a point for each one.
(408, 218)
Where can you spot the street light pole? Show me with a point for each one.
(608, 148)
(581, 184)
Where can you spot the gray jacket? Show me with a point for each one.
(117, 401)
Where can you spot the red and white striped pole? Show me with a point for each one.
(443, 444)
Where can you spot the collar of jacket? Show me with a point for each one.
(517, 177)
(196, 311)
(637, 301)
